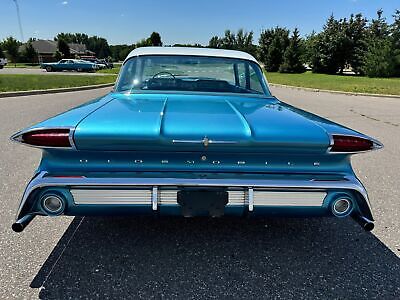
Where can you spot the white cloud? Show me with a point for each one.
(64, 2)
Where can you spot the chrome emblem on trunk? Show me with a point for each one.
(206, 141)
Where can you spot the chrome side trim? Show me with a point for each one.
(202, 141)
(271, 198)
(41, 180)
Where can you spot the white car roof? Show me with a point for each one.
(190, 51)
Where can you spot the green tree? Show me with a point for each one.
(11, 45)
(78, 38)
(242, 41)
(273, 43)
(63, 47)
(1, 52)
(214, 42)
(379, 28)
(143, 43)
(395, 30)
(120, 52)
(57, 55)
(99, 46)
(358, 45)
(379, 59)
(30, 53)
(329, 46)
(292, 59)
(155, 39)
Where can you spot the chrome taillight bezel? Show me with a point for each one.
(376, 145)
(18, 137)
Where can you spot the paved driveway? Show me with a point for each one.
(197, 258)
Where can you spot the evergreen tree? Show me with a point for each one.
(357, 34)
(1, 52)
(155, 39)
(380, 58)
(99, 46)
(11, 45)
(242, 41)
(143, 43)
(57, 56)
(327, 47)
(63, 48)
(214, 42)
(30, 53)
(395, 30)
(292, 62)
(273, 44)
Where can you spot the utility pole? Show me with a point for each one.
(19, 20)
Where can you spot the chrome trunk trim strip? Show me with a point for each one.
(96, 196)
(272, 198)
(168, 197)
(237, 198)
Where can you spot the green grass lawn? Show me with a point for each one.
(114, 70)
(10, 83)
(346, 83)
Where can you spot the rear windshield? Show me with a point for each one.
(191, 73)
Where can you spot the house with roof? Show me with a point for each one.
(46, 49)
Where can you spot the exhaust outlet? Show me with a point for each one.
(342, 207)
(21, 224)
(52, 204)
(365, 223)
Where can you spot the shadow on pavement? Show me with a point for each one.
(218, 258)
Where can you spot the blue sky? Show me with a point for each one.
(177, 21)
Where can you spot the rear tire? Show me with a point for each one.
(1, 66)
(49, 69)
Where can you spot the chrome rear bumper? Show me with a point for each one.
(157, 192)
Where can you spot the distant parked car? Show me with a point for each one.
(96, 61)
(102, 63)
(70, 65)
(3, 62)
(108, 63)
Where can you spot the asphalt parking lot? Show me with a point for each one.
(70, 258)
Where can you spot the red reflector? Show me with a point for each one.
(47, 138)
(344, 143)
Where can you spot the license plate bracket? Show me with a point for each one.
(202, 202)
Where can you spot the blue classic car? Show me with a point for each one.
(70, 65)
(193, 132)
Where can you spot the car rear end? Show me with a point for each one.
(163, 179)
(193, 133)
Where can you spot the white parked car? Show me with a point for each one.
(3, 62)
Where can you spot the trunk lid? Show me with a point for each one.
(198, 123)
